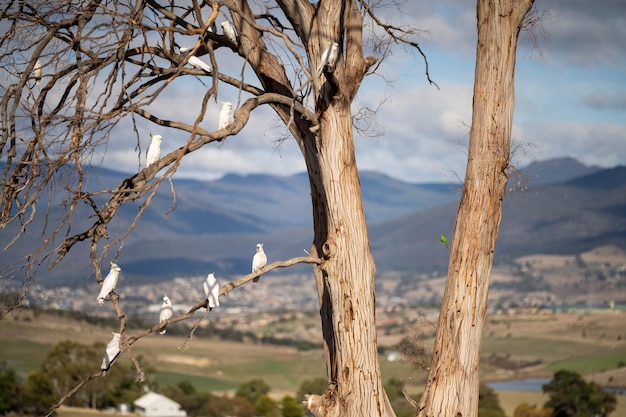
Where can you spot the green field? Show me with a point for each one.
(23, 355)
(221, 366)
(593, 362)
(202, 383)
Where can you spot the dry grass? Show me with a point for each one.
(604, 328)
(509, 400)
(555, 339)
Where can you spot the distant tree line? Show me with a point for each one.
(211, 329)
(69, 363)
(251, 399)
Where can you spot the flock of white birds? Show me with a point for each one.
(210, 285)
(153, 153)
(211, 291)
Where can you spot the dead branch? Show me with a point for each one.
(398, 34)
(132, 187)
(127, 342)
(75, 389)
(224, 291)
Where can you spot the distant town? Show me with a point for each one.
(532, 284)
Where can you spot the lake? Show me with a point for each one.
(529, 384)
(534, 385)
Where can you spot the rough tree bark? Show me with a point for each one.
(345, 279)
(131, 52)
(452, 386)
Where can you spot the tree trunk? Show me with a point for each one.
(452, 386)
(345, 280)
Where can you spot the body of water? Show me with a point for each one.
(530, 384)
(535, 384)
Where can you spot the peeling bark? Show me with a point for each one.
(452, 387)
(345, 278)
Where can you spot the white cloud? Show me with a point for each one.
(425, 129)
(587, 33)
(600, 144)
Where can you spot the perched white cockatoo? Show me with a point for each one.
(212, 290)
(259, 260)
(165, 312)
(111, 352)
(37, 72)
(225, 117)
(109, 283)
(329, 57)
(154, 149)
(196, 62)
(229, 31)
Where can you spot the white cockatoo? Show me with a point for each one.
(329, 57)
(37, 72)
(109, 283)
(154, 149)
(225, 117)
(259, 260)
(165, 312)
(111, 352)
(212, 290)
(229, 31)
(196, 62)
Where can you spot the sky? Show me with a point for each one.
(570, 99)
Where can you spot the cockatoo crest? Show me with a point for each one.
(225, 116)
(212, 290)
(259, 260)
(329, 58)
(111, 352)
(154, 149)
(196, 62)
(109, 283)
(37, 72)
(229, 31)
(165, 312)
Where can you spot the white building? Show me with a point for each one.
(157, 405)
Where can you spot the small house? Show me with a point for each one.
(157, 405)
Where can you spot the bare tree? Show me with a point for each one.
(453, 380)
(106, 63)
(75, 71)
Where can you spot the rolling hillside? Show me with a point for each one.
(562, 207)
(558, 218)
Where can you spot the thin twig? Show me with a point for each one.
(76, 388)
(399, 35)
(224, 290)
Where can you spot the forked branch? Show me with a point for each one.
(127, 342)
(401, 35)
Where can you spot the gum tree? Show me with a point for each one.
(76, 70)
(453, 380)
(108, 63)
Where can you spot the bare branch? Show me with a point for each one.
(75, 389)
(133, 187)
(224, 291)
(398, 34)
(111, 62)
(127, 342)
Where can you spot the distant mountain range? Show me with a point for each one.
(555, 206)
(561, 214)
